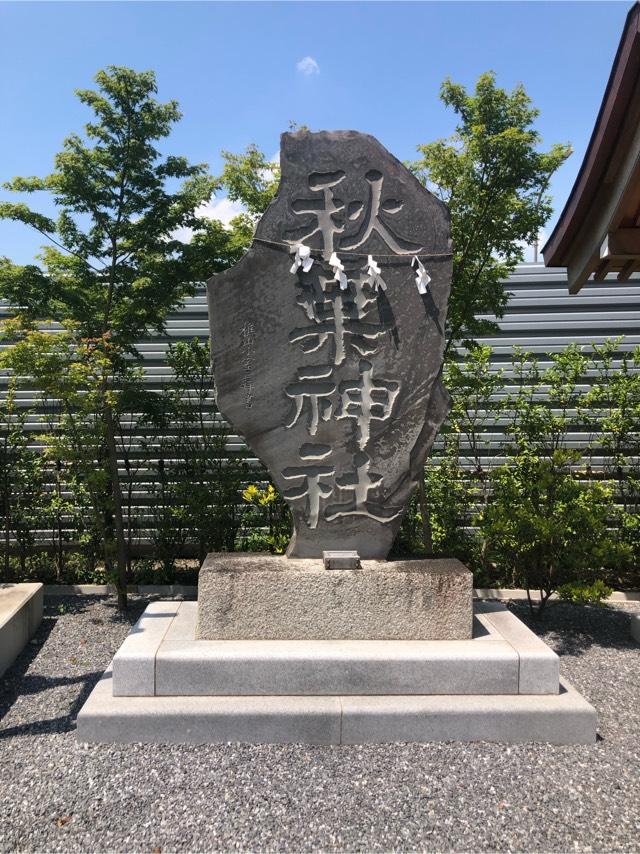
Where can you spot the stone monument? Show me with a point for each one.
(330, 366)
(327, 345)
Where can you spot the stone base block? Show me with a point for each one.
(165, 686)
(162, 657)
(268, 597)
(20, 616)
(564, 718)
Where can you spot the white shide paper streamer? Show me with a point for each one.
(303, 258)
(422, 277)
(338, 270)
(373, 271)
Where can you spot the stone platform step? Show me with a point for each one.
(162, 658)
(563, 718)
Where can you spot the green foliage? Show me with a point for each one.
(271, 524)
(214, 247)
(198, 480)
(21, 482)
(456, 474)
(611, 411)
(250, 178)
(543, 514)
(494, 179)
(581, 593)
(544, 528)
(113, 270)
(115, 267)
(545, 524)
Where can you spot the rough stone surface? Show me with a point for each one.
(57, 795)
(337, 390)
(266, 597)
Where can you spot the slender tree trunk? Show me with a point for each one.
(7, 517)
(60, 568)
(7, 543)
(427, 531)
(118, 517)
(129, 515)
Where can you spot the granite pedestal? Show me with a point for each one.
(271, 597)
(165, 685)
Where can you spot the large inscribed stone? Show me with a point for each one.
(328, 336)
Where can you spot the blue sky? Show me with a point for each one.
(242, 71)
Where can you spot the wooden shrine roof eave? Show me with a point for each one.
(596, 232)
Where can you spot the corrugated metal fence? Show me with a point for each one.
(541, 318)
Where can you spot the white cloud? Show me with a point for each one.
(308, 66)
(223, 210)
(529, 250)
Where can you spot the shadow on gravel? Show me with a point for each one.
(64, 723)
(573, 629)
(17, 680)
(14, 675)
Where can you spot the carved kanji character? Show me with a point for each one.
(373, 222)
(360, 482)
(341, 321)
(312, 392)
(312, 475)
(366, 399)
(326, 212)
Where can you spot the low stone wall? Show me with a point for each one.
(20, 616)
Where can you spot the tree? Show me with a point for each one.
(21, 482)
(250, 178)
(491, 175)
(114, 267)
(544, 524)
(495, 180)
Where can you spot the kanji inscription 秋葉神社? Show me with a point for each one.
(328, 335)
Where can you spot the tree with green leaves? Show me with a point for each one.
(21, 482)
(490, 173)
(113, 267)
(544, 525)
(495, 180)
(250, 178)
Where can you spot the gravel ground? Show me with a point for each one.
(56, 795)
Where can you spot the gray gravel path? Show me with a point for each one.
(58, 796)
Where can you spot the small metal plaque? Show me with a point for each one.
(341, 560)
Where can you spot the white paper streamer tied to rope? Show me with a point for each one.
(422, 277)
(373, 271)
(338, 271)
(303, 258)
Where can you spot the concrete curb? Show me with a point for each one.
(20, 616)
(506, 593)
(162, 657)
(564, 718)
